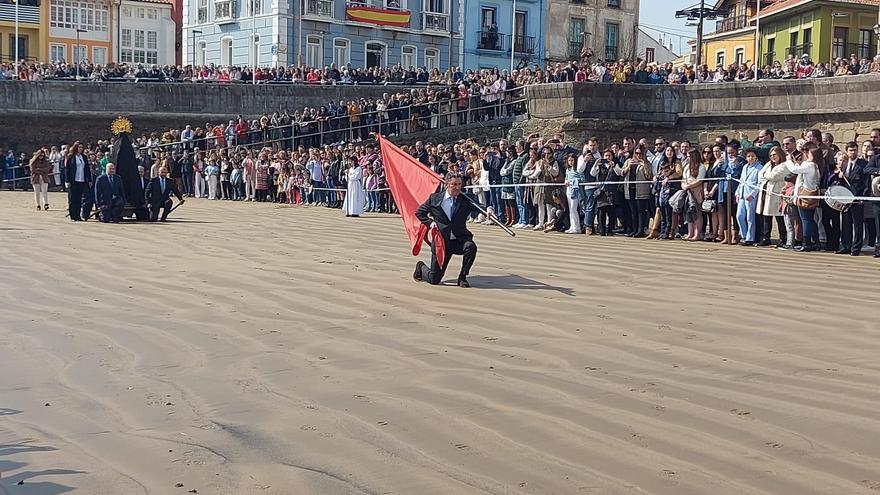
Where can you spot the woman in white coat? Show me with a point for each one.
(354, 197)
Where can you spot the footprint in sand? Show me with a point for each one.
(740, 412)
(670, 475)
(308, 428)
(591, 368)
(774, 445)
(382, 423)
(603, 317)
(490, 339)
(461, 446)
(871, 484)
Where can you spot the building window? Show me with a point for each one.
(79, 53)
(793, 47)
(408, 57)
(375, 54)
(141, 13)
(611, 41)
(649, 55)
(255, 51)
(866, 37)
(720, 58)
(222, 10)
(432, 58)
(99, 55)
(739, 56)
(58, 52)
(341, 52)
(838, 42)
(487, 15)
(395, 4)
(314, 51)
(71, 14)
(202, 15)
(201, 53)
(226, 51)
(126, 11)
(614, 3)
(152, 14)
(320, 8)
(576, 28)
(255, 7)
(139, 46)
(435, 15)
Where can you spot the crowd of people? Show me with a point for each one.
(635, 71)
(732, 191)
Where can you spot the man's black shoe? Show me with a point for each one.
(417, 274)
(463, 283)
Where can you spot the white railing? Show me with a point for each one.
(435, 21)
(224, 10)
(319, 8)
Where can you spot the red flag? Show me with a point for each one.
(411, 183)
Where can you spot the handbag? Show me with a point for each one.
(807, 203)
(709, 206)
(678, 201)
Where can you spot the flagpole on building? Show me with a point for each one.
(757, 40)
(16, 38)
(513, 37)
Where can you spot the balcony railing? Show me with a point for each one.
(575, 47)
(319, 8)
(435, 21)
(770, 58)
(844, 50)
(493, 40)
(611, 52)
(731, 24)
(800, 50)
(224, 11)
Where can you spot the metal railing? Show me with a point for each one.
(611, 52)
(770, 58)
(800, 50)
(575, 47)
(319, 8)
(731, 24)
(845, 50)
(493, 40)
(435, 21)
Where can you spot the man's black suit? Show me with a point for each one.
(110, 197)
(458, 239)
(79, 195)
(157, 197)
(852, 228)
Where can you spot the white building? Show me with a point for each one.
(653, 51)
(145, 33)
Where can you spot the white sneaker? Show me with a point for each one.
(487, 222)
(537, 227)
(527, 226)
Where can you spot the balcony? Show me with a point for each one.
(798, 50)
(574, 49)
(844, 50)
(224, 11)
(495, 41)
(731, 24)
(611, 53)
(319, 8)
(435, 21)
(770, 58)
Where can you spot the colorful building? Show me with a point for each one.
(318, 33)
(144, 33)
(30, 31)
(733, 41)
(498, 33)
(608, 28)
(822, 29)
(77, 30)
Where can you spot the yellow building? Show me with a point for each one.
(734, 38)
(29, 30)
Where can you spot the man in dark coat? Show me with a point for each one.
(110, 195)
(158, 194)
(448, 211)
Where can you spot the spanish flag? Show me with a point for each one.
(382, 17)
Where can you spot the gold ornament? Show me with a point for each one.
(121, 125)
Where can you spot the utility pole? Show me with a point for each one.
(700, 14)
(757, 40)
(513, 37)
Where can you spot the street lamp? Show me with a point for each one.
(16, 39)
(194, 33)
(118, 30)
(78, 58)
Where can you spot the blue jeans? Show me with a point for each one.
(187, 183)
(589, 207)
(495, 201)
(520, 207)
(811, 230)
(318, 196)
(331, 195)
(745, 216)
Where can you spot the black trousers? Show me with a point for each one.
(76, 207)
(112, 212)
(154, 211)
(876, 206)
(831, 222)
(607, 219)
(639, 215)
(852, 230)
(434, 274)
(765, 228)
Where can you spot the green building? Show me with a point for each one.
(822, 29)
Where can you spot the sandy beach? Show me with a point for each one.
(254, 349)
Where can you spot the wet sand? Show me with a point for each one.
(251, 349)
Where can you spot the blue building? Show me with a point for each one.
(318, 33)
(495, 30)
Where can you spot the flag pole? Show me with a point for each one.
(491, 217)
